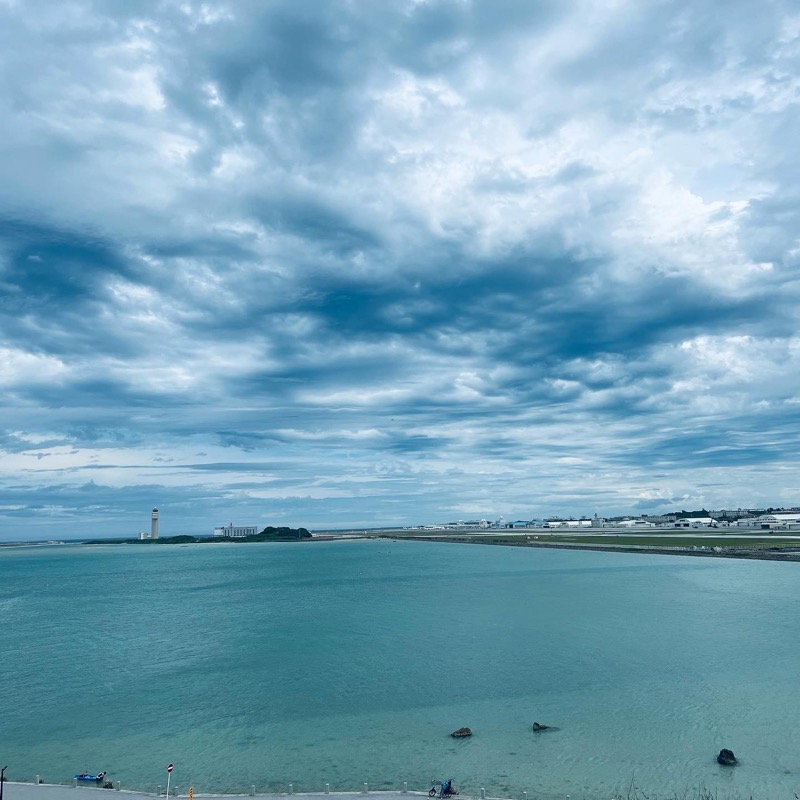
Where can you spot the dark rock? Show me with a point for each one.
(538, 727)
(726, 758)
(461, 733)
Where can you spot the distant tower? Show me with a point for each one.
(154, 524)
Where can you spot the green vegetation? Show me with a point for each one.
(270, 534)
(177, 539)
(184, 539)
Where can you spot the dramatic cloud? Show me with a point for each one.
(346, 263)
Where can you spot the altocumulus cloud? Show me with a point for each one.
(351, 263)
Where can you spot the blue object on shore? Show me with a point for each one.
(85, 776)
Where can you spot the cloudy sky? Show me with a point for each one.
(343, 262)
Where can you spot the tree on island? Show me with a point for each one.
(282, 534)
(271, 534)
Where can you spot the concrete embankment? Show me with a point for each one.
(48, 791)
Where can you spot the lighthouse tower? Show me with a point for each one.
(154, 524)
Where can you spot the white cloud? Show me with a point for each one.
(505, 261)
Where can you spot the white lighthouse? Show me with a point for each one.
(154, 524)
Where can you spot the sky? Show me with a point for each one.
(339, 263)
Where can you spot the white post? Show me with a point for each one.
(74, 781)
(37, 781)
(524, 796)
(405, 786)
(158, 790)
(366, 788)
(253, 790)
(483, 793)
(169, 775)
(119, 785)
(327, 788)
(291, 788)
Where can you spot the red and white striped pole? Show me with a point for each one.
(169, 774)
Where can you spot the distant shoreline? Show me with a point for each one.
(751, 553)
(764, 551)
(728, 551)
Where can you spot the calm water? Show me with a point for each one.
(347, 662)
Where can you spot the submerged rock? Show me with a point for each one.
(461, 733)
(539, 727)
(726, 758)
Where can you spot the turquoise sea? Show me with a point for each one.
(350, 662)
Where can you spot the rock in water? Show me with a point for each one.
(539, 727)
(461, 733)
(726, 758)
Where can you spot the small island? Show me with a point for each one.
(269, 534)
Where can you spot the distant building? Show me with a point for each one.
(728, 514)
(696, 522)
(658, 519)
(232, 531)
(143, 535)
(568, 523)
(772, 521)
(630, 523)
(458, 525)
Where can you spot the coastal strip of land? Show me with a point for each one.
(769, 547)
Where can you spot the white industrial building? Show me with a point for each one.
(629, 523)
(232, 531)
(781, 520)
(697, 522)
(567, 523)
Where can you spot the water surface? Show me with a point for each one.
(347, 662)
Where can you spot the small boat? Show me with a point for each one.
(85, 776)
